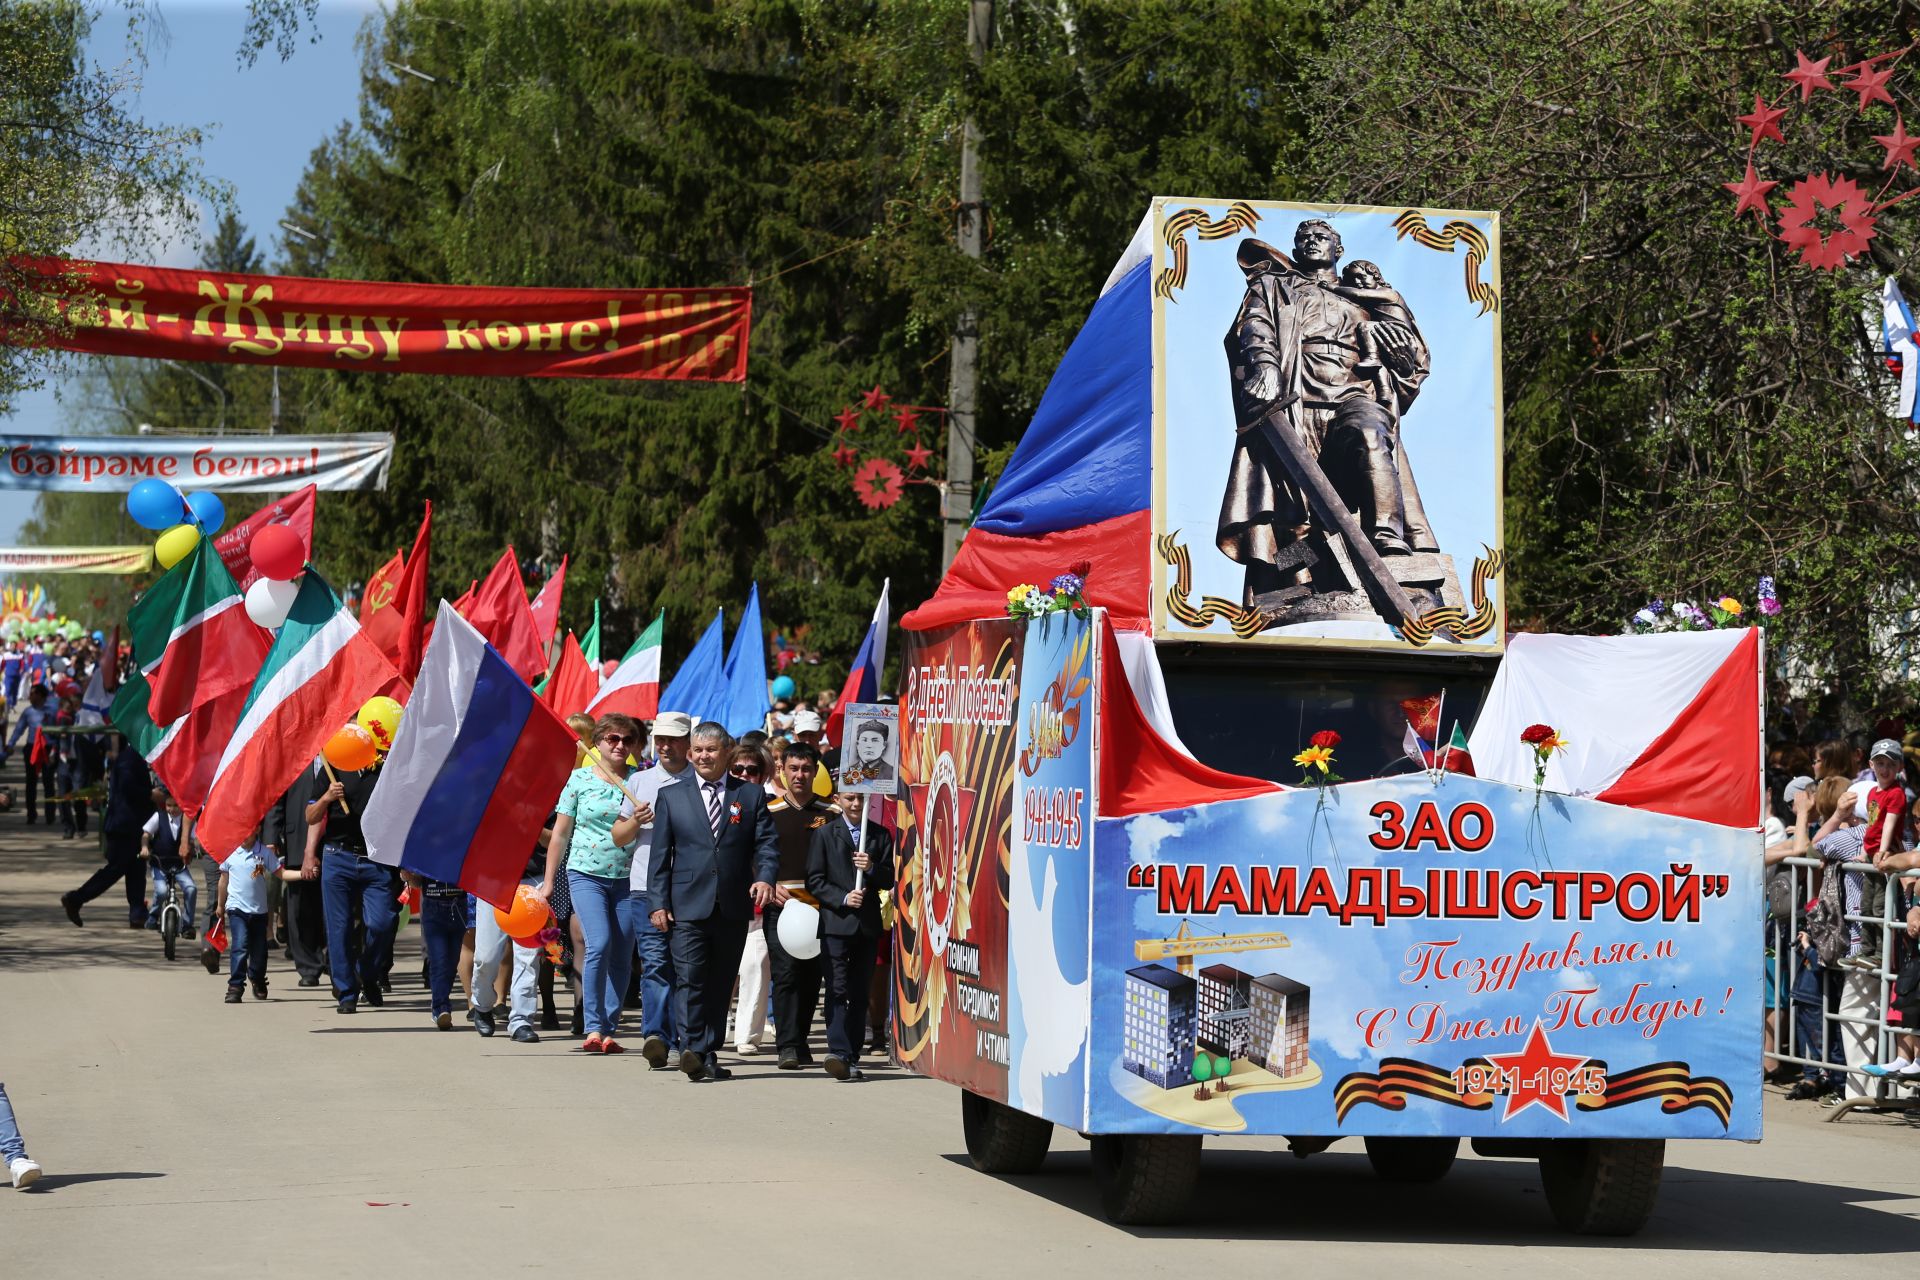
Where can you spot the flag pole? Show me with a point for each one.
(1437, 768)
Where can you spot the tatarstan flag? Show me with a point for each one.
(192, 638)
(182, 754)
(634, 687)
(321, 668)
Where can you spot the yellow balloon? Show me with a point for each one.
(175, 544)
(380, 717)
(822, 782)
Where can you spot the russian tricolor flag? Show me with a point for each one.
(474, 771)
(863, 682)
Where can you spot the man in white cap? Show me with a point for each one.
(660, 1036)
(807, 726)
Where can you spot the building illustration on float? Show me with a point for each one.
(1226, 1012)
(1279, 1024)
(1168, 1015)
(1158, 1026)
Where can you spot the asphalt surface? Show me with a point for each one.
(191, 1137)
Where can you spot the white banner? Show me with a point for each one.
(225, 464)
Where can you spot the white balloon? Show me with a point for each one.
(268, 602)
(800, 929)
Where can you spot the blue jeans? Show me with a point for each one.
(11, 1146)
(443, 926)
(604, 907)
(656, 976)
(1816, 990)
(343, 879)
(246, 948)
(183, 885)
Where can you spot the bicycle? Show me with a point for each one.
(168, 907)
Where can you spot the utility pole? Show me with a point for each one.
(963, 386)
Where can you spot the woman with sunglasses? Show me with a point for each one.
(597, 875)
(750, 763)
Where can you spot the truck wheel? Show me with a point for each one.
(1603, 1186)
(1145, 1179)
(1000, 1139)
(1412, 1159)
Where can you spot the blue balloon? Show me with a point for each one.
(783, 687)
(156, 505)
(208, 511)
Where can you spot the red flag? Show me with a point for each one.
(383, 588)
(400, 629)
(574, 683)
(295, 511)
(499, 611)
(546, 607)
(1423, 715)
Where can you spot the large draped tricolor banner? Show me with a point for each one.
(166, 314)
(227, 464)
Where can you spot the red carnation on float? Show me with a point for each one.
(1326, 738)
(1535, 734)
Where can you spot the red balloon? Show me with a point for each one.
(277, 553)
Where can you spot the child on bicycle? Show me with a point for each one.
(163, 842)
(244, 879)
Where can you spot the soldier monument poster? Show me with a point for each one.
(1327, 425)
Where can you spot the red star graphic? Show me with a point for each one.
(1752, 193)
(878, 484)
(1819, 191)
(917, 457)
(1762, 121)
(906, 417)
(846, 455)
(1808, 74)
(1532, 1070)
(1871, 85)
(849, 419)
(876, 398)
(1899, 146)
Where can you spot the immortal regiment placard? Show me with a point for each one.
(1406, 957)
(961, 692)
(870, 764)
(1327, 425)
(167, 314)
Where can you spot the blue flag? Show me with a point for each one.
(747, 701)
(699, 687)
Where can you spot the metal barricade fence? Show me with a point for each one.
(1832, 1021)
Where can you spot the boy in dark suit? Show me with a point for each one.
(850, 926)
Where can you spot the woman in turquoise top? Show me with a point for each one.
(597, 875)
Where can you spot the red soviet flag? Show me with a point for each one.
(499, 611)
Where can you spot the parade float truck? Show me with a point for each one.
(1227, 804)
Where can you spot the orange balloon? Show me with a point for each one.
(351, 749)
(527, 916)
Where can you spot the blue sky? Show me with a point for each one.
(1449, 431)
(260, 125)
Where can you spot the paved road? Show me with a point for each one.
(203, 1139)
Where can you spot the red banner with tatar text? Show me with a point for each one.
(166, 314)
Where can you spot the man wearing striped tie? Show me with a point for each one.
(715, 856)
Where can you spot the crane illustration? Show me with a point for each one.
(1186, 944)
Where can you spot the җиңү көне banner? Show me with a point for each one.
(227, 464)
(165, 314)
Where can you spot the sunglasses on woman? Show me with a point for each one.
(745, 771)
(620, 738)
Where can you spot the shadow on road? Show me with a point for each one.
(1334, 1198)
(55, 1181)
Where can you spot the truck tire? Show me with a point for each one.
(1603, 1186)
(1000, 1139)
(1145, 1179)
(1412, 1159)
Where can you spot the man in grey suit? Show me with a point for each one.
(715, 855)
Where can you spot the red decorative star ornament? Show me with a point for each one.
(876, 398)
(846, 455)
(849, 419)
(1532, 1070)
(1808, 74)
(878, 483)
(1899, 146)
(1821, 191)
(1871, 85)
(917, 457)
(906, 417)
(1753, 195)
(1764, 121)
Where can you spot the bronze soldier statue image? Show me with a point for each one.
(1320, 504)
